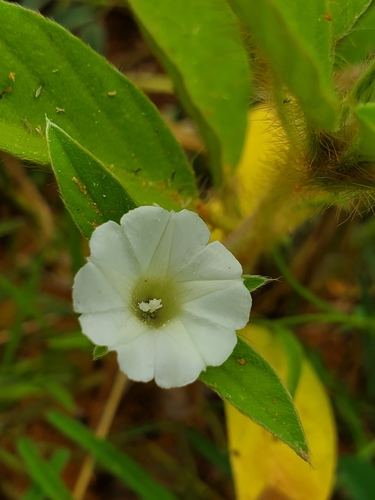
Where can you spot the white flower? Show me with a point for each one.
(156, 293)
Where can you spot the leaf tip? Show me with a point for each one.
(305, 455)
(49, 124)
(252, 282)
(99, 352)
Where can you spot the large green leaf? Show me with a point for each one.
(46, 71)
(200, 46)
(248, 382)
(295, 38)
(42, 473)
(120, 464)
(344, 14)
(91, 192)
(359, 44)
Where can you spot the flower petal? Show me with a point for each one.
(111, 250)
(93, 293)
(228, 306)
(177, 360)
(214, 342)
(136, 357)
(144, 227)
(214, 262)
(185, 236)
(105, 328)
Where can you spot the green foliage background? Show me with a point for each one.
(110, 150)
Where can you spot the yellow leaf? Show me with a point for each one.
(268, 195)
(264, 468)
(258, 169)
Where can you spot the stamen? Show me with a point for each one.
(151, 306)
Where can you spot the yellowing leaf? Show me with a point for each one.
(266, 469)
(271, 191)
(257, 170)
(264, 181)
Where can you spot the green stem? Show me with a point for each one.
(300, 289)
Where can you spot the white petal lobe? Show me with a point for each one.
(177, 246)
(215, 262)
(228, 306)
(110, 249)
(177, 360)
(213, 341)
(92, 292)
(136, 358)
(104, 328)
(144, 227)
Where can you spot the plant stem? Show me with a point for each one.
(119, 385)
(300, 289)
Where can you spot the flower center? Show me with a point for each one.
(149, 308)
(155, 301)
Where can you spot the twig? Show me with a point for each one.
(120, 384)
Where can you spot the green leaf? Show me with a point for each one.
(365, 146)
(20, 390)
(357, 475)
(58, 392)
(218, 458)
(42, 472)
(344, 14)
(364, 89)
(99, 351)
(90, 191)
(253, 281)
(9, 226)
(46, 71)
(58, 461)
(118, 463)
(250, 384)
(75, 17)
(359, 44)
(200, 46)
(296, 41)
(11, 461)
(69, 341)
(294, 353)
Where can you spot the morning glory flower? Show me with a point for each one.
(156, 292)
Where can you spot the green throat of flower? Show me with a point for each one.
(155, 301)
